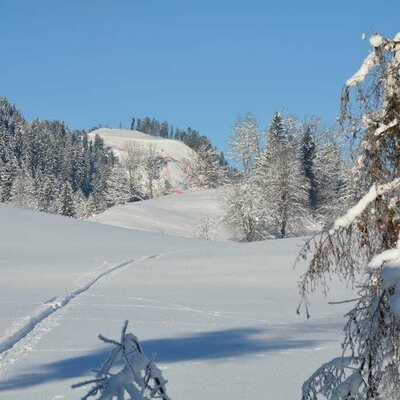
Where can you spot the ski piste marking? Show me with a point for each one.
(8, 344)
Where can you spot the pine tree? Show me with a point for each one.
(8, 165)
(22, 191)
(333, 182)
(205, 170)
(164, 130)
(308, 153)
(117, 188)
(67, 205)
(81, 205)
(47, 193)
(279, 176)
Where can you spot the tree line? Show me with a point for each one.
(47, 167)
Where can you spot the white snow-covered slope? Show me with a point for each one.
(173, 152)
(220, 316)
(185, 214)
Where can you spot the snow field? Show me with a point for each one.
(220, 316)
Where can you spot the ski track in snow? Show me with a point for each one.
(33, 327)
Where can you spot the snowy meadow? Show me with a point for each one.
(221, 317)
(145, 259)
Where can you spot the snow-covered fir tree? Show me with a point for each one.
(308, 154)
(334, 186)
(205, 169)
(67, 203)
(47, 193)
(118, 189)
(280, 178)
(366, 239)
(22, 191)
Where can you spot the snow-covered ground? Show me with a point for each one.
(174, 152)
(181, 215)
(220, 315)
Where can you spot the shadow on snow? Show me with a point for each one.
(202, 346)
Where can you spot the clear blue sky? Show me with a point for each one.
(191, 62)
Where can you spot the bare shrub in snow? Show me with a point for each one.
(139, 377)
(243, 212)
(245, 142)
(207, 229)
(366, 240)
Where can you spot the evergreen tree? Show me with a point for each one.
(67, 206)
(47, 193)
(333, 182)
(205, 170)
(22, 191)
(164, 130)
(279, 176)
(117, 189)
(8, 165)
(308, 153)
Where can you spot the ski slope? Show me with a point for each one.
(180, 215)
(174, 152)
(220, 315)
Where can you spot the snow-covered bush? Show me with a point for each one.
(365, 241)
(207, 228)
(139, 377)
(243, 212)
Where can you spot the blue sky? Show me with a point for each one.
(195, 62)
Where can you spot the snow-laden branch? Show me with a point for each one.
(353, 213)
(386, 256)
(139, 377)
(373, 59)
(383, 128)
(370, 62)
(332, 372)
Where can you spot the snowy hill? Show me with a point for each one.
(220, 316)
(173, 152)
(180, 215)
